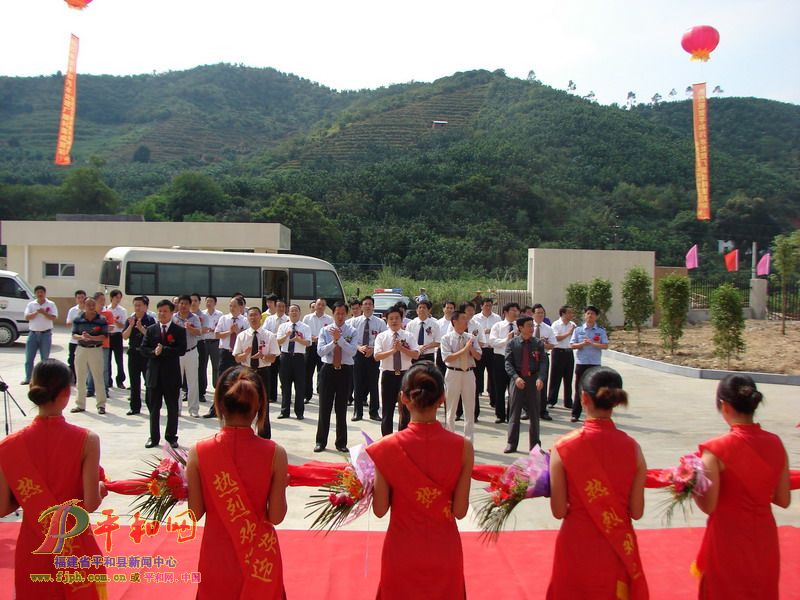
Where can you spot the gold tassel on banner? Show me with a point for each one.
(702, 179)
(67, 126)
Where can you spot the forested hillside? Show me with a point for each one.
(364, 177)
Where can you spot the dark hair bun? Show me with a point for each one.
(423, 384)
(740, 392)
(39, 394)
(48, 380)
(604, 386)
(607, 397)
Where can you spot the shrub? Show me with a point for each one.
(673, 298)
(637, 299)
(726, 317)
(600, 295)
(577, 296)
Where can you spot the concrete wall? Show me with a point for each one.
(551, 270)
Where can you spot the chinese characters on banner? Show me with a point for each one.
(700, 112)
(67, 125)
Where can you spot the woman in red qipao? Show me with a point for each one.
(597, 476)
(749, 470)
(423, 473)
(46, 464)
(238, 480)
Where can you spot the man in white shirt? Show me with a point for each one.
(460, 350)
(209, 319)
(485, 319)
(188, 361)
(228, 327)
(40, 314)
(425, 330)
(294, 337)
(562, 362)
(544, 332)
(115, 330)
(337, 347)
(257, 348)
(500, 334)
(315, 321)
(365, 369)
(272, 323)
(448, 307)
(74, 313)
(395, 350)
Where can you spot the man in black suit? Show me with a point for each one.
(526, 365)
(163, 345)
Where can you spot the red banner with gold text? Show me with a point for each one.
(700, 112)
(67, 126)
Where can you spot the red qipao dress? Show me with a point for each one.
(596, 553)
(239, 557)
(422, 555)
(739, 556)
(42, 464)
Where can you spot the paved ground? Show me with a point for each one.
(669, 415)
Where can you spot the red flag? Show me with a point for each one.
(732, 260)
(700, 118)
(763, 265)
(691, 258)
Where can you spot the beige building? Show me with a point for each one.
(551, 270)
(66, 255)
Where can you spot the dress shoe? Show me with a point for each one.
(551, 403)
(174, 444)
(524, 417)
(546, 417)
(342, 449)
(319, 448)
(374, 418)
(132, 412)
(300, 417)
(283, 416)
(194, 415)
(203, 399)
(91, 395)
(101, 410)
(24, 382)
(567, 405)
(355, 418)
(76, 409)
(499, 421)
(150, 444)
(574, 420)
(509, 450)
(210, 415)
(460, 418)
(120, 386)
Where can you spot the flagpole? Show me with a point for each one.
(754, 261)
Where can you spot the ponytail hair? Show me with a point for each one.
(604, 386)
(49, 379)
(240, 391)
(423, 384)
(740, 392)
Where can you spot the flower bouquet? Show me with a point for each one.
(687, 479)
(349, 495)
(164, 486)
(527, 477)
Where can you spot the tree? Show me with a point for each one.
(787, 259)
(656, 99)
(637, 299)
(532, 77)
(672, 93)
(83, 192)
(571, 86)
(142, 154)
(599, 295)
(745, 220)
(577, 296)
(313, 232)
(631, 100)
(728, 322)
(192, 193)
(673, 298)
(590, 96)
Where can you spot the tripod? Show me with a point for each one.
(7, 407)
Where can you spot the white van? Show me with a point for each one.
(15, 294)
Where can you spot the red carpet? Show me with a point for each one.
(346, 565)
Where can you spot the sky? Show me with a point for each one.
(609, 47)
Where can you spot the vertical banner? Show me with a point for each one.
(67, 126)
(700, 113)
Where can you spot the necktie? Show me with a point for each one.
(398, 360)
(536, 331)
(461, 343)
(232, 337)
(163, 333)
(421, 335)
(337, 355)
(526, 365)
(254, 350)
(365, 339)
(510, 327)
(290, 347)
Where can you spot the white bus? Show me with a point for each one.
(165, 273)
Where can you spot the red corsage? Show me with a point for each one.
(97, 328)
(536, 356)
(170, 338)
(596, 338)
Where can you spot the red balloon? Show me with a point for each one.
(700, 41)
(78, 4)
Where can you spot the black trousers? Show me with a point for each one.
(293, 372)
(71, 361)
(334, 391)
(524, 399)
(542, 396)
(500, 380)
(576, 404)
(115, 344)
(365, 383)
(137, 367)
(562, 364)
(485, 364)
(265, 431)
(313, 363)
(168, 396)
(202, 368)
(226, 361)
(272, 377)
(390, 392)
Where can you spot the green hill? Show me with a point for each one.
(365, 177)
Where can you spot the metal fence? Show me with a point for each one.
(701, 289)
(775, 303)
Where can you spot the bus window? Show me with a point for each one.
(303, 285)
(109, 273)
(328, 285)
(141, 279)
(174, 280)
(227, 280)
(275, 282)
